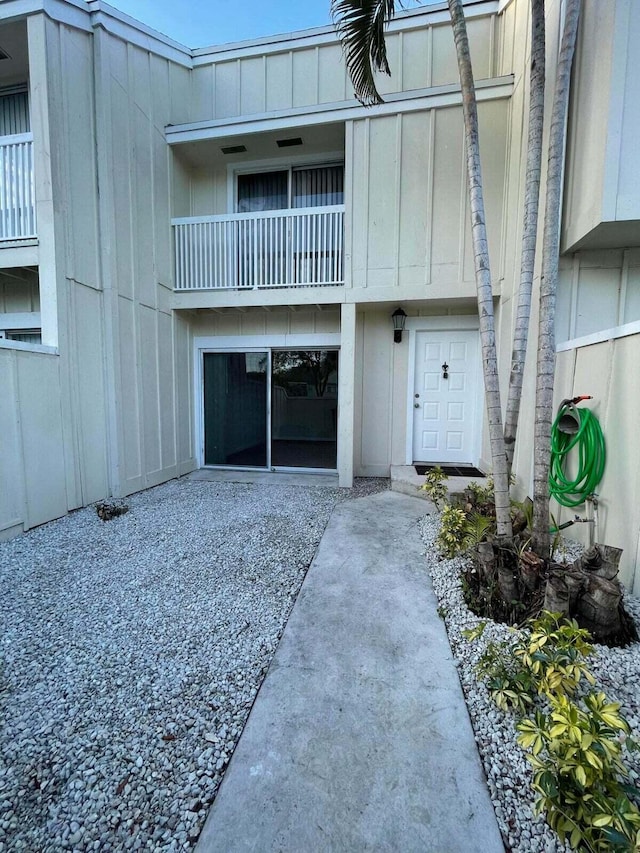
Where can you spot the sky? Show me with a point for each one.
(200, 23)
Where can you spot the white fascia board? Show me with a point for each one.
(258, 342)
(11, 9)
(416, 100)
(129, 30)
(74, 13)
(25, 320)
(281, 297)
(408, 19)
(283, 42)
(19, 345)
(88, 16)
(600, 337)
(25, 254)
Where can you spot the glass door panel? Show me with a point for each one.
(235, 408)
(263, 191)
(304, 409)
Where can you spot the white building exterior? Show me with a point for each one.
(200, 252)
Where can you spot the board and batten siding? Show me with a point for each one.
(599, 296)
(607, 370)
(603, 187)
(410, 215)
(32, 450)
(597, 290)
(68, 224)
(256, 323)
(124, 357)
(227, 84)
(149, 365)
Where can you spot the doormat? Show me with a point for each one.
(451, 470)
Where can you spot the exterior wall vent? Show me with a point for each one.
(234, 149)
(287, 143)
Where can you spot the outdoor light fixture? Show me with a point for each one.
(398, 318)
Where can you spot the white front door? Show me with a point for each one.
(445, 422)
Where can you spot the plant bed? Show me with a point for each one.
(508, 582)
(509, 774)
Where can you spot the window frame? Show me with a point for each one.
(280, 164)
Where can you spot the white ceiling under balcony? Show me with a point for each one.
(320, 139)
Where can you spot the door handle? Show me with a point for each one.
(445, 370)
(416, 405)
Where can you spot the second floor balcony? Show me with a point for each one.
(300, 247)
(17, 197)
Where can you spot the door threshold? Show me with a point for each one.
(307, 477)
(451, 470)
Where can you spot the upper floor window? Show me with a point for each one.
(14, 111)
(296, 187)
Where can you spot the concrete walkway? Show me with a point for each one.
(359, 739)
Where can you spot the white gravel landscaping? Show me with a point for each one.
(131, 652)
(508, 772)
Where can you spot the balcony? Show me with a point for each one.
(249, 251)
(17, 197)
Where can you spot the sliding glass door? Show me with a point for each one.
(304, 408)
(235, 408)
(271, 409)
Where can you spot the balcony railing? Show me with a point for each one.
(17, 197)
(276, 248)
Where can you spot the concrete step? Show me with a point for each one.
(406, 481)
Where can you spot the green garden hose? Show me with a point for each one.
(589, 440)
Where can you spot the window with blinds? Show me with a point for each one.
(14, 113)
(263, 191)
(319, 186)
(299, 187)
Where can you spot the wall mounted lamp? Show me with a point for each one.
(398, 318)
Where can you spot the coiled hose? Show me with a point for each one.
(591, 457)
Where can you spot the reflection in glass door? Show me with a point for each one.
(235, 408)
(304, 409)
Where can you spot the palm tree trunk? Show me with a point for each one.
(483, 273)
(530, 226)
(548, 285)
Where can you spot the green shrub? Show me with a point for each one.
(434, 486)
(576, 755)
(553, 654)
(575, 744)
(460, 532)
(548, 661)
(481, 495)
(454, 531)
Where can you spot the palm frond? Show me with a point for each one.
(360, 25)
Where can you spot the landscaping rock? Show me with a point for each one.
(509, 775)
(128, 646)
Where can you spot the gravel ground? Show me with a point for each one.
(508, 772)
(132, 651)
